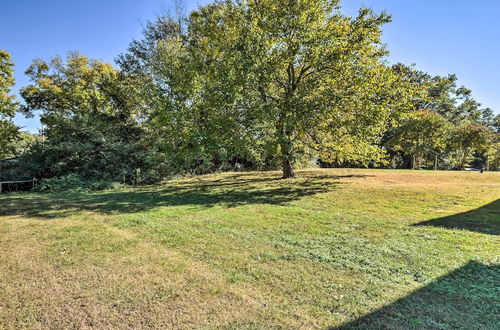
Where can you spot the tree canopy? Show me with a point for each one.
(92, 115)
(268, 84)
(8, 106)
(299, 74)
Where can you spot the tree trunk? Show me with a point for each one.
(286, 148)
(435, 162)
(287, 169)
(286, 160)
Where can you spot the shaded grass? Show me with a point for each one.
(245, 250)
(445, 298)
(476, 220)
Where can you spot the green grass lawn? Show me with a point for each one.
(332, 248)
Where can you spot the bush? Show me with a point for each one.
(74, 182)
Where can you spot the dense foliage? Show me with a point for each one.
(242, 85)
(9, 133)
(447, 128)
(92, 116)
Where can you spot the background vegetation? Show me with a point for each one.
(241, 86)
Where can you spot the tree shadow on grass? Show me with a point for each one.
(228, 191)
(485, 219)
(467, 298)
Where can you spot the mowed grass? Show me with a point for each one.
(335, 248)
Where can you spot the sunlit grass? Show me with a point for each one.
(245, 250)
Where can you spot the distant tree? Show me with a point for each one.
(466, 139)
(445, 97)
(298, 74)
(495, 123)
(24, 142)
(420, 134)
(9, 132)
(493, 154)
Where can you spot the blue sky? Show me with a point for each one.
(440, 36)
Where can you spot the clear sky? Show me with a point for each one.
(439, 36)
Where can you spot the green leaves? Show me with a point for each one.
(7, 105)
(420, 134)
(246, 84)
(467, 138)
(92, 113)
(447, 122)
(293, 73)
(9, 132)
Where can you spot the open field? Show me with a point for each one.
(352, 248)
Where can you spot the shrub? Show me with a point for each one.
(74, 182)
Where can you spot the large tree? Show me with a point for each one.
(9, 132)
(296, 73)
(91, 113)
